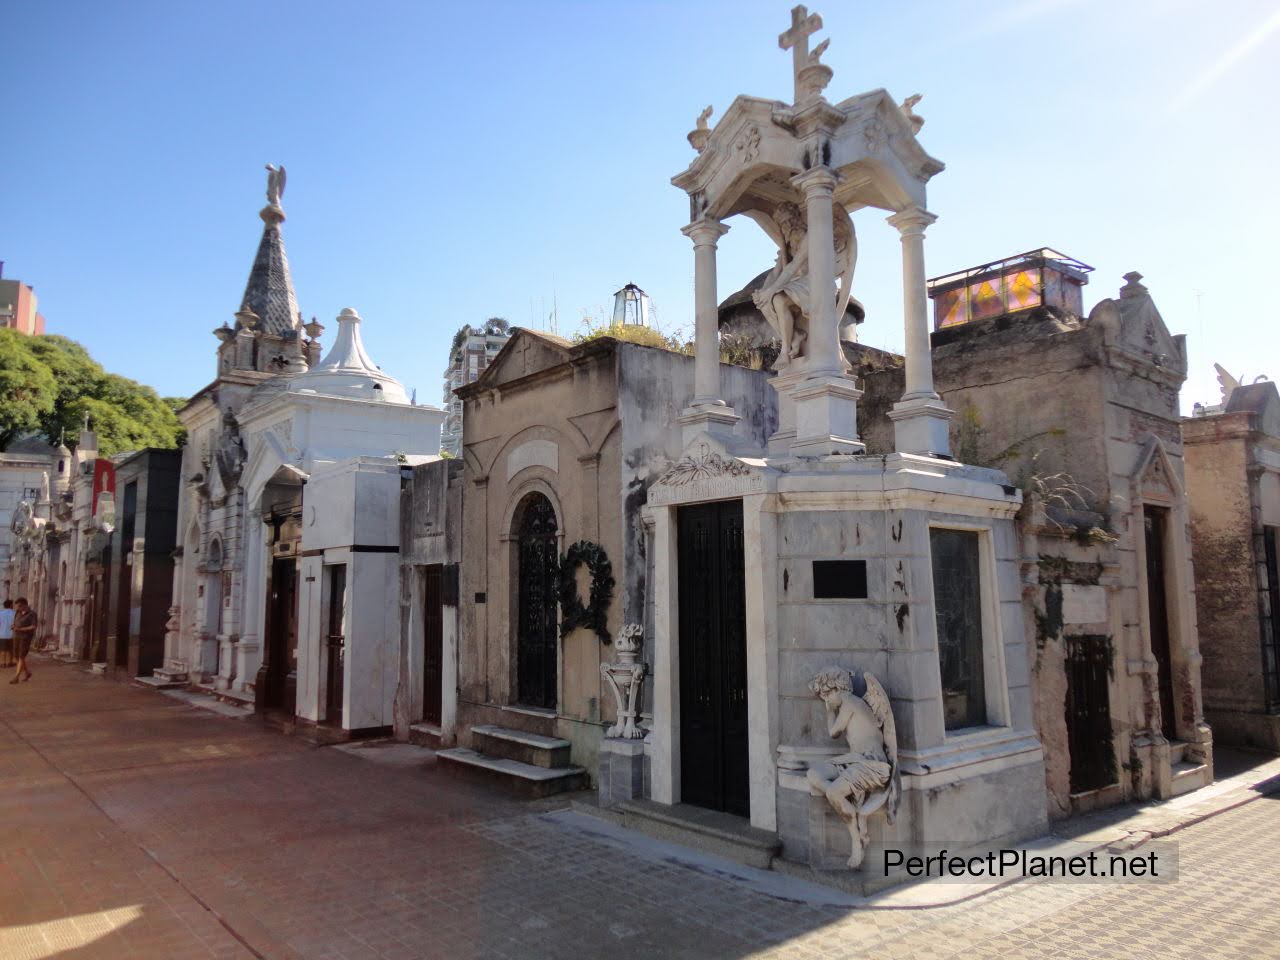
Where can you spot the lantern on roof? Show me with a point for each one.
(631, 305)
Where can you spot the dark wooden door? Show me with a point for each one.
(1089, 666)
(713, 658)
(1271, 627)
(537, 642)
(432, 643)
(335, 643)
(1156, 521)
(283, 633)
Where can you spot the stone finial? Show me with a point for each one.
(1132, 287)
(248, 319)
(814, 76)
(224, 332)
(701, 133)
(314, 329)
(908, 109)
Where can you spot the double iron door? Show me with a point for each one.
(713, 657)
(537, 637)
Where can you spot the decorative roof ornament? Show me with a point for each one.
(803, 25)
(908, 110)
(269, 292)
(699, 135)
(348, 371)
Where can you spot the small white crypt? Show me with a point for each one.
(795, 586)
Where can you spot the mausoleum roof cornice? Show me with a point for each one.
(758, 144)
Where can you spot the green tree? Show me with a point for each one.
(27, 388)
(123, 413)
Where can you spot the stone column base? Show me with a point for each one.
(620, 771)
(826, 412)
(922, 425)
(717, 419)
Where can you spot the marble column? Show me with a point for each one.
(823, 401)
(920, 419)
(822, 348)
(707, 411)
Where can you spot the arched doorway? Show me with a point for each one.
(537, 620)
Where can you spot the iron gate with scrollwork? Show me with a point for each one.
(1088, 663)
(537, 619)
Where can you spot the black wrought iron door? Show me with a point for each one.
(713, 658)
(1156, 519)
(537, 619)
(957, 601)
(336, 643)
(1271, 626)
(1093, 762)
(432, 642)
(283, 632)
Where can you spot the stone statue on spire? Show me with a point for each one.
(275, 184)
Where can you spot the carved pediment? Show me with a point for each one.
(1132, 323)
(526, 353)
(1154, 477)
(707, 471)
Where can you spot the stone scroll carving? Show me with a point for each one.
(865, 779)
(626, 677)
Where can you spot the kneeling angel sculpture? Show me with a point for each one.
(866, 778)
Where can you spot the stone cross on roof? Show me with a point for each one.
(803, 25)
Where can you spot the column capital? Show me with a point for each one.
(820, 179)
(912, 221)
(705, 232)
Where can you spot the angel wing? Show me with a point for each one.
(845, 222)
(1226, 381)
(280, 189)
(878, 700)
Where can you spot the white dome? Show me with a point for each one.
(347, 371)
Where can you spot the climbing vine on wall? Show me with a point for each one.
(573, 613)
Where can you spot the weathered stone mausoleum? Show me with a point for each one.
(1233, 478)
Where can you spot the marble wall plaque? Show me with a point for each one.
(1083, 604)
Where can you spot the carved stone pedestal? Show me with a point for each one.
(621, 771)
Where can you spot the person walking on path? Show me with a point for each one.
(24, 632)
(6, 634)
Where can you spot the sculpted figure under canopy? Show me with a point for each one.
(785, 296)
(864, 779)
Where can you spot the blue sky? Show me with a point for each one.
(450, 163)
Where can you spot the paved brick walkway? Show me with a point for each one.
(138, 826)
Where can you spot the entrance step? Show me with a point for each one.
(708, 830)
(1189, 776)
(551, 753)
(98, 669)
(425, 735)
(521, 779)
(158, 682)
(1177, 752)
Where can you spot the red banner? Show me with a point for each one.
(104, 481)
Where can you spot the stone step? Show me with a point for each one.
(1177, 752)
(1189, 776)
(521, 779)
(98, 669)
(708, 830)
(158, 682)
(531, 748)
(425, 735)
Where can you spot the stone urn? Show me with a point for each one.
(626, 677)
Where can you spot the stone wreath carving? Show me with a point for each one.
(703, 465)
(573, 613)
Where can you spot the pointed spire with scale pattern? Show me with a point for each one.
(269, 292)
